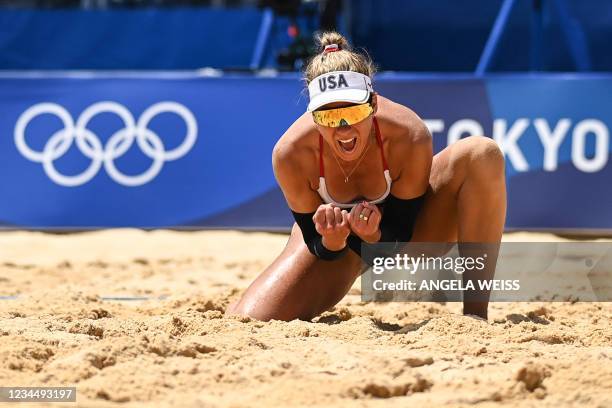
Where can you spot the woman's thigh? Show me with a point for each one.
(438, 218)
(466, 198)
(298, 285)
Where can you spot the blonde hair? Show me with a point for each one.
(345, 59)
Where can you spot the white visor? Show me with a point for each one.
(339, 86)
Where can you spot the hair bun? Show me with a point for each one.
(332, 38)
(328, 60)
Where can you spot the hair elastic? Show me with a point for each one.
(331, 48)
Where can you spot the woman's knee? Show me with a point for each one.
(477, 159)
(483, 155)
(297, 286)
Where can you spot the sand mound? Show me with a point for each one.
(174, 347)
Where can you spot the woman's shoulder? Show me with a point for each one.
(297, 145)
(400, 124)
(400, 121)
(408, 145)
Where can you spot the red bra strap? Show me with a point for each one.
(321, 170)
(379, 140)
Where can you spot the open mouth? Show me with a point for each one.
(348, 145)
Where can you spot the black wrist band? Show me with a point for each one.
(327, 254)
(314, 240)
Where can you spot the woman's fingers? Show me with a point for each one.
(374, 219)
(345, 218)
(372, 207)
(365, 215)
(355, 213)
(364, 218)
(374, 215)
(337, 216)
(319, 217)
(329, 216)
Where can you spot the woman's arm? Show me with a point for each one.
(413, 155)
(289, 169)
(323, 227)
(401, 208)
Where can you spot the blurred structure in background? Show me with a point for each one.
(427, 36)
(104, 4)
(305, 18)
(511, 35)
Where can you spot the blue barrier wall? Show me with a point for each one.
(127, 39)
(182, 150)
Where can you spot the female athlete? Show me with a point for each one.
(357, 168)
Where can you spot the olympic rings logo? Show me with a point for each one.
(116, 146)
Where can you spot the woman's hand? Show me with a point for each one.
(364, 220)
(333, 225)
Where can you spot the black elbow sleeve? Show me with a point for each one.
(399, 218)
(397, 223)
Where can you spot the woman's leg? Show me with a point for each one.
(466, 203)
(298, 285)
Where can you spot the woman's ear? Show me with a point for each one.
(374, 101)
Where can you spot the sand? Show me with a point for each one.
(174, 347)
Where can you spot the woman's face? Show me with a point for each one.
(348, 142)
